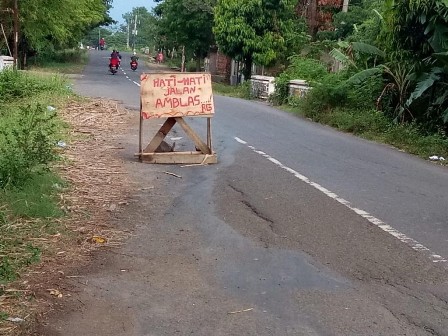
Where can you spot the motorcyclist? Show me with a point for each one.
(134, 57)
(114, 59)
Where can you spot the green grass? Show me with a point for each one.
(373, 125)
(20, 88)
(3, 315)
(63, 68)
(27, 214)
(36, 198)
(237, 91)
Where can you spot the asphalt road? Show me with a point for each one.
(298, 230)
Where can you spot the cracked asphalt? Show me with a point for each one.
(245, 248)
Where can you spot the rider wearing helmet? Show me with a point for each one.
(134, 57)
(114, 61)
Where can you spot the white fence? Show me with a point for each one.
(298, 88)
(6, 62)
(262, 86)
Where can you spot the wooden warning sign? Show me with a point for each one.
(175, 96)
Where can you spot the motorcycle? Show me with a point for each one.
(113, 65)
(134, 65)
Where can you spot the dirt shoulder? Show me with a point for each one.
(98, 190)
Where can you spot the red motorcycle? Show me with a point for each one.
(134, 65)
(113, 65)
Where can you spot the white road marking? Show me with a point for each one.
(375, 221)
(138, 84)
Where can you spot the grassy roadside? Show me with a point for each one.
(369, 124)
(237, 91)
(32, 135)
(57, 190)
(29, 188)
(62, 62)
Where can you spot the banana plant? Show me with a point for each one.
(434, 80)
(349, 53)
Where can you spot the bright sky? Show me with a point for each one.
(121, 7)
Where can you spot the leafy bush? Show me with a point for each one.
(333, 91)
(308, 69)
(365, 95)
(27, 139)
(281, 93)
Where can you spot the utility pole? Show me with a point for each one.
(127, 37)
(134, 32)
(345, 6)
(16, 35)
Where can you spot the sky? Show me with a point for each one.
(121, 7)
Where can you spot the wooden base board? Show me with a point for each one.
(178, 158)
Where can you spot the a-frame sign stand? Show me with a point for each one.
(174, 96)
(204, 155)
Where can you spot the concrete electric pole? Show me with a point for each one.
(134, 32)
(16, 35)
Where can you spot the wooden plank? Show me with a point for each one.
(179, 158)
(192, 134)
(140, 135)
(161, 134)
(209, 133)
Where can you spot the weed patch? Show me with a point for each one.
(36, 198)
(27, 214)
(15, 86)
(27, 142)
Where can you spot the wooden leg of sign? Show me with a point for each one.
(161, 134)
(140, 137)
(209, 133)
(204, 156)
(193, 135)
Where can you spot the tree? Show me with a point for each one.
(51, 24)
(146, 27)
(255, 30)
(59, 23)
(187, 23)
